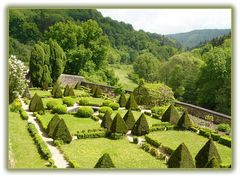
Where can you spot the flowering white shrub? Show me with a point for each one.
(17, 81)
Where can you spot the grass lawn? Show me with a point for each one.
(24, 153)
(41, 93)
(45, 100)
(73, 123)
(136, 115)
(193, 141)
(122, 74)
(123, 154)
(95, 101)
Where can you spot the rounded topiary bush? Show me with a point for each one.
(85, 112)
(104, 109)
(68, 101)
(60, 109)
(224, 127)
(106, 102)
(84, 101)
(114, 106)
(50, 104)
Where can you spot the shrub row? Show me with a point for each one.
(59, 109)
(16, 106)
(163, 128)
(74, 164)
(41, 121)
(153, 151)
(85, 102)
(224, 140)
(50, 104)
(42, 147)
(104, 109)
(95, 118)
(152, 141)
(98, 134)
(26, 100)
(84, 112)
(68, 101)
(24, 115)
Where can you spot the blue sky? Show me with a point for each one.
(168, 21)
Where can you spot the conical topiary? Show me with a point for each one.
(118, 125)
(52, 125)
(122, 100)
(129, 119)
(131, 103)
(98, 92)
(71, 92)
(106, 121)
(66, 91)
(184, 122)
(205, 154)
(105, 162)
(55, 86)
(170, 115)
(181, 158)
(58, 93)
(141, 127)
(36, 104)
(78, 86)
(61, 132)
(213, 163)
(93, 89)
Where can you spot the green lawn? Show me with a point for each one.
(193, 141)
(122, 74)
(124, 154)
(41, 93)
(136, 115)
(73, 123)
(24, 153)
(95, 101)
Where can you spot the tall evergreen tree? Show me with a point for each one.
(66, 90)
(71, 92)
(57, 60)
(205, 154)
(61, 132)
(141, 127)
(170, 115)
(184, 122)
(181, 158)
(36, 104)
(46, 78)
(122, 100)
(52, 125)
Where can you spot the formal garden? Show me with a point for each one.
(93, 128)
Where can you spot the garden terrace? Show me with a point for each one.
(193, 141)
(86, 153)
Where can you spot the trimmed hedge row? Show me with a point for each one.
(98, 134)
(24, 115)
(42, 147)
(163, 128)
(152, 142)
(224, 140)
(153, 151)
(40, 119)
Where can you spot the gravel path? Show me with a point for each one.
(57, 156)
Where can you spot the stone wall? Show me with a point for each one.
(202, 112)
(71, 80)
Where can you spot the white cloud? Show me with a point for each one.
(167, 21)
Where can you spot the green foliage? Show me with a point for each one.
(26, 94)
(77, 86)
(181, 158)
(105, 162)
(158, 110)
(184, 121)
(16, 106)
(170, 115)
(153, 94)
(104, 109)
(84, 112)
(66, 91)
(58, 92)
(93, 89)
(50, 104)
(141, 126)
(118, 125)
(146, 66)
(24, 115)
(213, 163)
(98, 92)
(52, 125)
(114, 106)
(131, 103)
(71, 92)
(61, 132)
(46, 78)
(225, 140)
(106, 121)
(68, 101)
(129, 119)
(106, 102)
(122, 100)
(36, 104)
(224, 127)
(83, 101)
(206, 153)
(59, 109)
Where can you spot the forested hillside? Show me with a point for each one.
(83, 42)
(197, 37)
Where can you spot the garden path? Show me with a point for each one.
(57, 156)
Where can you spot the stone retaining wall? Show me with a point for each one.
(71, 80)
(202, 112)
